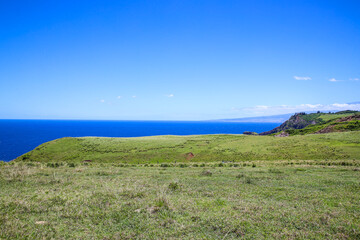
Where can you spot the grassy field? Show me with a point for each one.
(232, 187)
(206, 148)
(274, 200)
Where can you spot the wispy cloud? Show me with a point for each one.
(263, 110)
(334, 80)
(169, 95)
(134, 96)
(102, 100)
(119, 97)
(302, 78)
(354, 79)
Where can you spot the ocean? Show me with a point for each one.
(20, 136)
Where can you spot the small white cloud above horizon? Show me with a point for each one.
(169, 95)
(134, 96)
(263, 110)
(119, 97)
(302, 78)
(354, 79)
(334, 80)
(102, 100)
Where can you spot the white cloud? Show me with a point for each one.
(169, 95)
(134, 96)
(354, 79)
(102, 100)
(119, 97)
(334, 80)
(283, 109)
(302, 78)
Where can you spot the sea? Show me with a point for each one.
(20, 136)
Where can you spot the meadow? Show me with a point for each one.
(232, 187)
(277, 200)
(199, 148)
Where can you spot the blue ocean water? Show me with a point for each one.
(20, 136)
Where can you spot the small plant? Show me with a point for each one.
(220, 165)
(274, 170)
(164, 165)
(183, 165)
(174, 186)
(202, 165)
(195, 165)
(52, 165)
(71, 165)
(241, 175)
(248, 180)
(253, 165)
(162, 202)
(206, 173)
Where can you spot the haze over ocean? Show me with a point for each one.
(20, 136)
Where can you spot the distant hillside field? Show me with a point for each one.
(202, 148)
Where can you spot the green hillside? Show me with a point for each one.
(302, 123)
(202, 148)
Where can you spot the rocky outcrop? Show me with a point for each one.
(250, 133)
(282, 134)
(295, 122)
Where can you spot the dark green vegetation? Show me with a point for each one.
(205, 148)
(302, 123)
(272, 200)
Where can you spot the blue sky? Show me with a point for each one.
(177, 60)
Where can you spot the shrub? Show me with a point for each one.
(164, 165)
(206, 173)
(274, 170)
(241, 175)
(248, 180)
(174, 186)
(71, 164)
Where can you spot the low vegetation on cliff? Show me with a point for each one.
(302, 123)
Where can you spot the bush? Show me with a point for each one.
(71, 165)
(274, 170)
(248, 180)
(174, 186)
(164, 165)
(53, 165)
(241, 175)
(206, 173)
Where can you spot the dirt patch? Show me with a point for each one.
(189, 156)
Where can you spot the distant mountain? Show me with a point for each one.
(264, 119)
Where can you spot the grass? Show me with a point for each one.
(273, 200)
(206, 148)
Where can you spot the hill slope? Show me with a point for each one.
(203, 148)
(302, 123)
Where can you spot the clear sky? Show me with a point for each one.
(177, 60)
